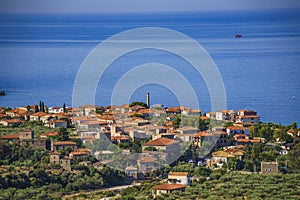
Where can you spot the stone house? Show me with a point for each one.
(269, 168)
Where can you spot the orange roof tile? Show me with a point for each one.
(76, 153)
(178, 173)
(38, 114)
(10, 136)
(50, 134)
(160, 142)
(237, 128)
(14, 121)
(166, 186)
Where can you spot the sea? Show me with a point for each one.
(41, 54)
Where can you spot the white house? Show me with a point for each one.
(232, 130)
(224, 115)
(178, 178)
(55, 109)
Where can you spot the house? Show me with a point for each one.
(217, 139)
(46, 118)
(65, 163)
(27, 138)
(79, 153)
(37, 116)
(137, 135)
(178, 177)
(232, 130)
(10, 137)
(220, 157)
(185, 137)
(11, 122)
(225, 115)
(173, 110)
(55, 158)
(17, 112)
(63, 145)
(269, 167)
(120, 139)
(57, 123)
(243, 139)
(55, 109)
(167, 189)
(26, 134)
(246, 112)
(49, 134)
(247, 117)
(164, 144)
(132, 172)
(147, 164)
(36, 143)
(88, 109)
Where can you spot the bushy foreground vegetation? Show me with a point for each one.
(228, 186)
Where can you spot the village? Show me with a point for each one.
(142, 140)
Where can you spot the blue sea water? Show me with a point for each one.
(41, 54)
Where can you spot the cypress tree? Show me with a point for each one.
(64, 107)
(36, 108)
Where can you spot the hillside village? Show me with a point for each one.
(147, 142)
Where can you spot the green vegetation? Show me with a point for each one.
(228, 186)
(135, 103)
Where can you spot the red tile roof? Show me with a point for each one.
(237, 128)
(10, 136)
(169, 186)
(49, 134)
(14, 121)
(160, 142)
(178, 174)
(39, 114)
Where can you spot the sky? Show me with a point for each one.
(104, 6)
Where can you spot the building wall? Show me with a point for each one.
(269, 167)
(23, 135)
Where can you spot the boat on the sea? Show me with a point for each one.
(238, 36)
(2, 93)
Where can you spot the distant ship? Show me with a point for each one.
(238, 36)
(2, 93)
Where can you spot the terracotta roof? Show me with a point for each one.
(10, 136)
(56, 121)
(49, 134)
(160, 142)
(81, 150)
(203, 133)
(64, 143)
(178, 174)
(166, 186)
(77, 153)
(13, 120)
(173, 109)
(222, 154)
(122, 137)
(237, 128)
(38, 114)
(204, 118)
